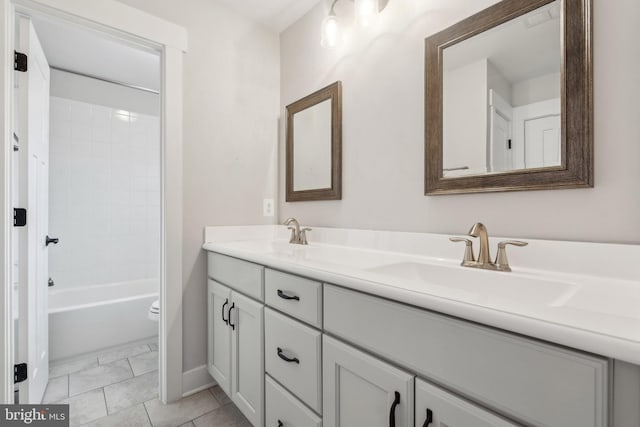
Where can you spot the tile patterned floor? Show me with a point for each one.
(119, 388)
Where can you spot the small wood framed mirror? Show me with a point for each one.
(314, 146)
(508, 99)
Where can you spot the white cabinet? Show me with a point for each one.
(527, 380)
(436, 407)
(219, 335)
(360, 390)
(292, 356)
(236, 348)
(283, 409)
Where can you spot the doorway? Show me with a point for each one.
(134, 27)
(89, 174)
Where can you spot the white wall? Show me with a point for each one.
(104, 194)
(537, 89)
(382, 72)
(92, 91)
(231, 99)
(464, 108)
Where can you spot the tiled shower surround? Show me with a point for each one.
(104, 194)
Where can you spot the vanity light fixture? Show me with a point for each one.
(366, 12)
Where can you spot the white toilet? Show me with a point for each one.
(154, 311)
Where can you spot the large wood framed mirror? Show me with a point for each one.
(314, 146)
(508, 99)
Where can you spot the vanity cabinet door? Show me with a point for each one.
(360, 390)
(219, 334)
(436, 407)
(247, 357)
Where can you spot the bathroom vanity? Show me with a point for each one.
(364, 328)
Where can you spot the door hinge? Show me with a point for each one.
(509, 144)
(19, 372)
(19, 217)
(19, 61)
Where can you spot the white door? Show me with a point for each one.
(219, 339)
(360, 390)
(542, 141)
(33, 131)
(500, 143)
(247, 357)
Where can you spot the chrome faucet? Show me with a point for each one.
(484, 257)
(298, 235)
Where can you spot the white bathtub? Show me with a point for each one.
(87, 319)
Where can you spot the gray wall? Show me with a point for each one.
(231, 98)
(383, 85)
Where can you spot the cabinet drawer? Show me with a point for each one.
(242, 276)
(282, 407)
(447, 409)
(286, 338)
(294, 295)
(530, 381)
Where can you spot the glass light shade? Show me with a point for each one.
(366, 12)
(330, 32)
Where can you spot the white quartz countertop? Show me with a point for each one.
(587, 297)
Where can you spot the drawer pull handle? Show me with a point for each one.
(392, 413)
(280, 423)
(429, 419)
(287, 359)
(289, 297)
(229, 317)
(226, 321)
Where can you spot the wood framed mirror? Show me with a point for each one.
(314, 146)
(508, 99)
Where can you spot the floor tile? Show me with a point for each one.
(131, 392)
(182, 411)
(225, 416)
(145, 362)
(99, 376)
(189, 424)
(86, 407)
(58, 369)
(122, 353)
(135, 416)
(220, 395)
(57, 389)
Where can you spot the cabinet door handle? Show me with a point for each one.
(392, 413)
(280, 423)
(226, 321)
(229, 316)
(287, 359)
(289, 297)
(429, 419)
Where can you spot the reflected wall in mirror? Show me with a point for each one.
(508, 99)
(314, 146)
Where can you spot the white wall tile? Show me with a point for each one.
(104, 194)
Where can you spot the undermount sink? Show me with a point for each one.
(478, 286)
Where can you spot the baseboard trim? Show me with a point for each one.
(195, 380)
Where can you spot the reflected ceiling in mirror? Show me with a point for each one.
(501, 97)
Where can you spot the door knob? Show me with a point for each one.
(51, 282)
(50, 240)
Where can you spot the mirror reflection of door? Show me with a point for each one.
(500, 139)
(542, 141)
